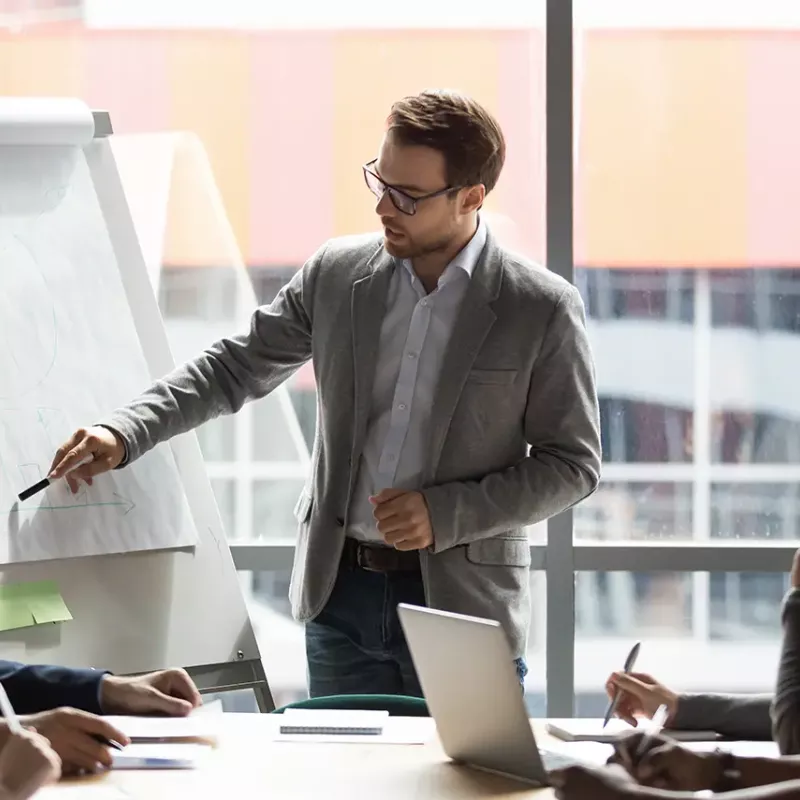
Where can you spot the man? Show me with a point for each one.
(41, 694)
(456, 401)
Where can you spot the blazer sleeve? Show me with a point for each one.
(34, 688)
(744, 716)
(231, 372)
(786, 706)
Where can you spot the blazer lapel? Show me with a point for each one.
(368, 306)
(474, 321)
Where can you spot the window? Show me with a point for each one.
(685, 243)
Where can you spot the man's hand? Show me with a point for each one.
(640, 695)
(27, 762)
(796, 570)
(679, 769)
(98, 443)
(597, 783)
(631, 747)
(170, 692)
(403, 519)
(72, 733)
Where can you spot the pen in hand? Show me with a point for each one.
(655, 727)
(107, 742)
(630, 662)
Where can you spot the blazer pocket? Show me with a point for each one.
(500, 552)
(302, 508)
(492, 376)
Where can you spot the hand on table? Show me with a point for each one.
(640, 695)
(106, 449)
(593, 783)
(667, 765)
(170, 692)
(72, 733)
(403, 519)
(27, 762)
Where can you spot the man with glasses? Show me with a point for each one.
(456, 405)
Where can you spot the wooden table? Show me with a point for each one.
(248, 763)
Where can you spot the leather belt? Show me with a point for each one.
(378, 558)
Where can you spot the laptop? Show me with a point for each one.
(470, 683)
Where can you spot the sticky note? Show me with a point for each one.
(25, 604)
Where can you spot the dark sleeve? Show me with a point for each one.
(786, 706)
(40, 688)
(744, 716)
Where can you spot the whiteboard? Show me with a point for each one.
(140, 610)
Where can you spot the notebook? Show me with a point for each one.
(159, 756)
(333, 722)
(592, 730)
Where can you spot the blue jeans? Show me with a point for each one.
(356, 645)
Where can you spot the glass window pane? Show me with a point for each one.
(273, 503)
(700, 632)
(636, 511)
(755, 510)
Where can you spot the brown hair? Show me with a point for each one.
(461, 129)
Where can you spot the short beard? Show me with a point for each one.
(413, 250)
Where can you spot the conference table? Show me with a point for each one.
(248, 762)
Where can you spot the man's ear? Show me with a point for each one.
(472, 198)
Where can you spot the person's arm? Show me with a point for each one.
(562, 427)
(735, 716)
(786, 705)
(225, 376)
(775, 791)
(35, 688)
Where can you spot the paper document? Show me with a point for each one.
(25, 604)
(201, 727)
(592, 730)
(159, 756)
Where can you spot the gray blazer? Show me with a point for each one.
(514, 431)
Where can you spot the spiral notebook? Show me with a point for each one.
(333, 722)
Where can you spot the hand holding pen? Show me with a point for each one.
(630, 662)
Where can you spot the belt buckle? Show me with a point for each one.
(360, 561)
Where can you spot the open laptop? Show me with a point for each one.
(470, 683)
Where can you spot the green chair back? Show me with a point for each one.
(397, 705)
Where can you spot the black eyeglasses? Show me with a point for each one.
(402, 201)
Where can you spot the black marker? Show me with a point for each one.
(45, 482)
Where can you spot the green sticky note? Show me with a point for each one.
(14, 614)
(37, 603)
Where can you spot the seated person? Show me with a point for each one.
(64, 705)
(751, 717)
(666, 770)
(27, 762)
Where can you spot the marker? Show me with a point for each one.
(8, 712)
(630, 661)
(45, 482)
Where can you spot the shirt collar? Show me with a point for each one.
(466, 259)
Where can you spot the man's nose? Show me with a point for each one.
(385, 207)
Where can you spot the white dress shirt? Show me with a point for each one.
(414, 336)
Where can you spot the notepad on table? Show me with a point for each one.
(333, 722)
(159, 756)
(592, 730)
(200, 727)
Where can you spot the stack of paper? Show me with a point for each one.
(197, 727)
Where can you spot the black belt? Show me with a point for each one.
(378, 558)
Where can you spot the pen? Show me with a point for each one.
(45, 482)
(107, 742)
(630, 661)
(8, 712)
(653, 729)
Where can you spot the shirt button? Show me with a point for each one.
(412, 355)
(401, 406)
(423, 302)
